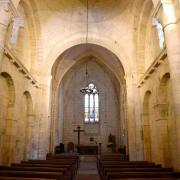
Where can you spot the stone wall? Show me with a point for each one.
(24, 123)
(158, 123)
(72, 103)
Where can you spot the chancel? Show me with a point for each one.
(101, 77)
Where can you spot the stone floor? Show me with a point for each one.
(88, 169)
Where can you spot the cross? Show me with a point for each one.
(78, 130)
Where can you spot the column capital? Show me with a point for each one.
(7, 5)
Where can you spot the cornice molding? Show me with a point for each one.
(154, 66)
(20, 67)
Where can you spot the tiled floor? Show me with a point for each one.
(88, 169)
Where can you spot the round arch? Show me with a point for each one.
(7, 151)
(104, 42)
(28, 103)
(11, 87)
(146, 126)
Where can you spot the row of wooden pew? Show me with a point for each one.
(113, 167)
(55, 167)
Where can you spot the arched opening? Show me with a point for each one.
(147, 127)
(29, 118)
(163, 121)
(23, 138)
(69, 76)
(7, 94)
(72, 102)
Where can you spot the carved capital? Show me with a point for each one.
(8, 6)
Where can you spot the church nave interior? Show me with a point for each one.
(92, 78)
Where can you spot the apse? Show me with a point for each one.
(100, 114)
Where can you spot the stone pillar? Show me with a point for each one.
(146, 136)
(53, 119)
(137, 114)
(7, 11)
(9, 137)
(172, 39)
(43, 115)
(30, 137)
(161, 121)
(131, 124)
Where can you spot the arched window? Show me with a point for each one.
(160, 32)
(91, 105)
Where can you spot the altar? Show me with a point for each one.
(85, 149)
(88, 149)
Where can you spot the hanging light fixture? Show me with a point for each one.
(88, 89)
(87, 20)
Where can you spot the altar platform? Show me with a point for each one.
(87, 149)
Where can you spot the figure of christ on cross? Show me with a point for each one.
(78, 130)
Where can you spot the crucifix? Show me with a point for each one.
(78, 130)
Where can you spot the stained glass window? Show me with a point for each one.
(91, 105)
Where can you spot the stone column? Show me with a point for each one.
(9, 137)
(161, 121)
(29, 151)
(43, 115)
(7, 11)
(146, 136)
(131, 119)
(172, 39)
(137, 114)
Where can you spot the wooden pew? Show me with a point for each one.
(40, 169)
(110, 156)
(22, 178)
(62, 156)
(72, 164)
(33, 174)
(144, 179)
(127, 175)
(44, 165)
(126, 165)
(119, 170)
(114, 168)
(21, 167)
(62, 168)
